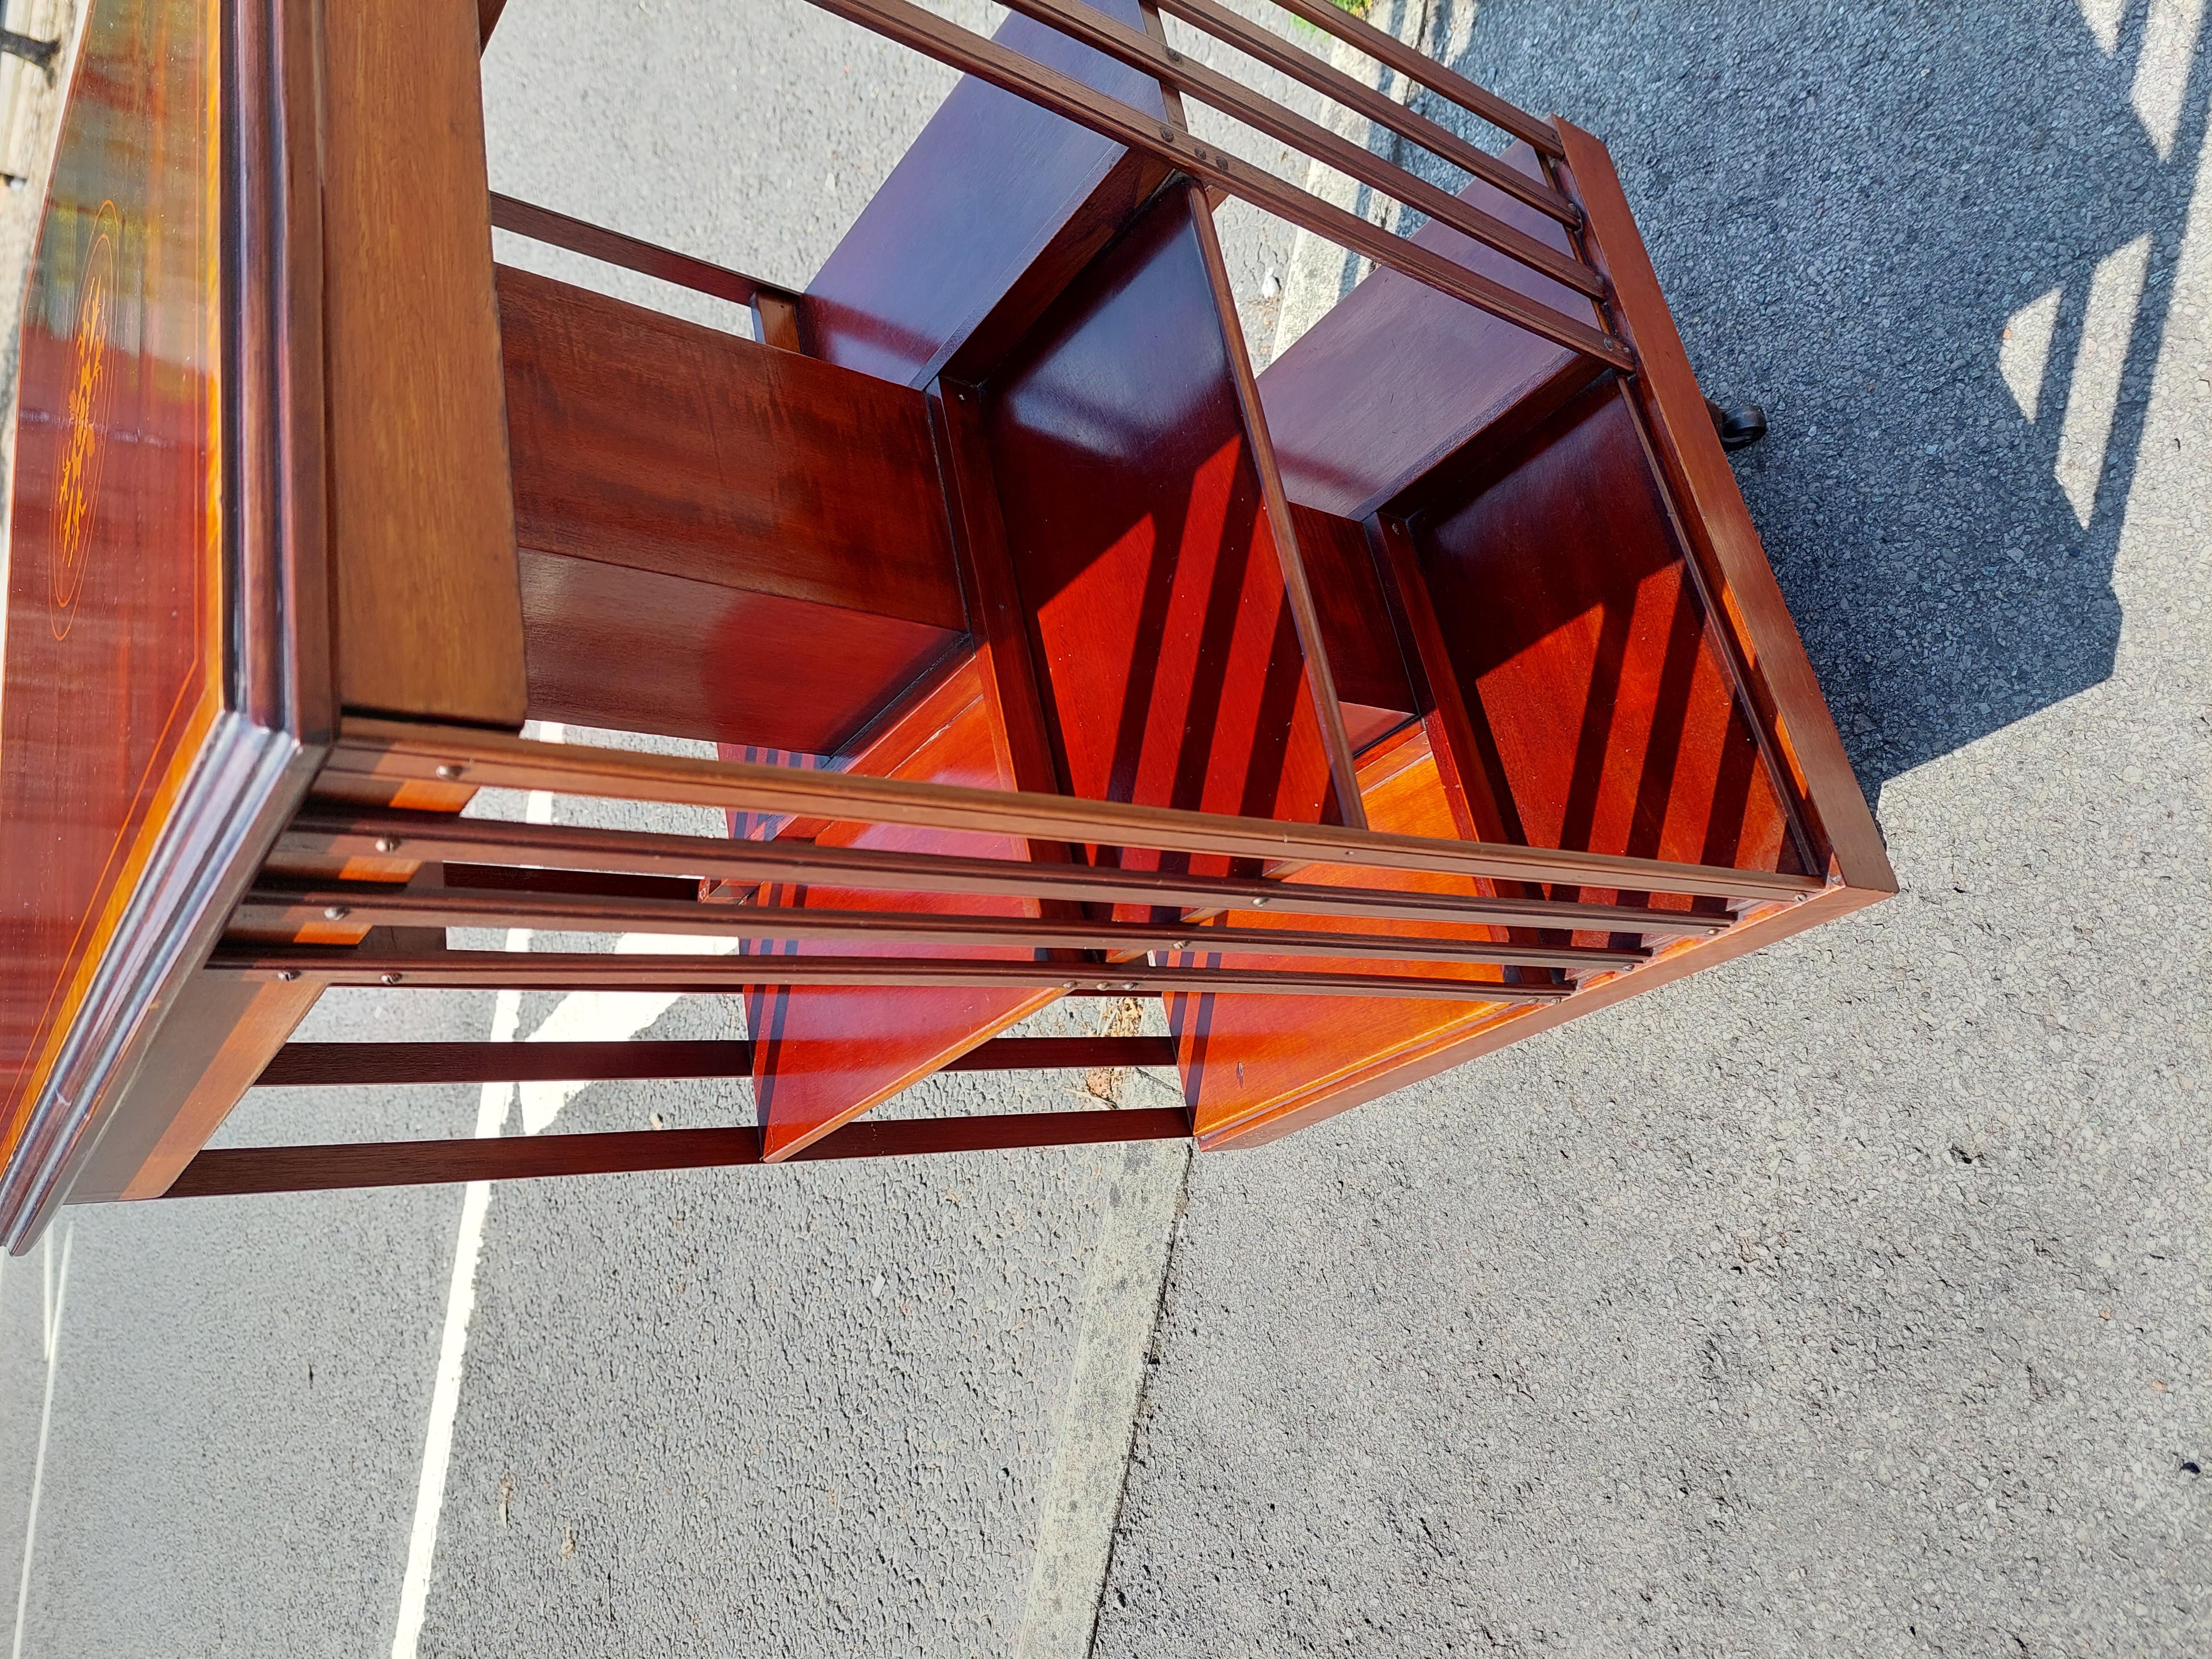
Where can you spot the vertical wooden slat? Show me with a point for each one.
(1724, 540)
(428, 608)
(776, 320)
(1461, 767)
(1321, 679)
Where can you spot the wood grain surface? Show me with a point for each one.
(1579, 640)
(1160, 624)
(994, 207)
(114, 582)
(826, 1054)
(1397, 376)
(648, 442)
(637, 651)
(1783, 688)
(430, 613)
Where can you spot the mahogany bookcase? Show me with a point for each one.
(1419, 694)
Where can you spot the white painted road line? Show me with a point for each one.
(580, 1016)
(492, 1107)
(1098, 1418)
(54, 1289)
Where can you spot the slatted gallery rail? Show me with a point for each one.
(914, 25)
(478, 873)
(489, 873)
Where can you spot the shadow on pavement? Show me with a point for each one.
(1937, 244)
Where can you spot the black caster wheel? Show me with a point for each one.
(1739, 428)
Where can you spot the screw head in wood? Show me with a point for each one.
(1179, 944)
(335, 913)
(449, 771)
(1257, 903)
(288, 975)
(387, 843)
(387, 979)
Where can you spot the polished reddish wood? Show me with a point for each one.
(638, 651)
(232, 1171)
(1173, 673)
(826, 1054)
(1587, 702)
(1290, 563)
(220, 1036)
(1563, 570)
(1356, 1084)
(1374, 688)
(322, 844)
(719, 540)
(684, 973)
(1783, 691)
(1207, 85)
(1245, 1058)
(1074, 646)
(115, 647)
(543, 224)
(1221, 173)
(568, 902)
(428, 623)
(993, 208)
(376, 756)
(1580, 642)
(1267, 46)
(1005, 667)
(1451, 371)
(644, 441)
(332, 1065)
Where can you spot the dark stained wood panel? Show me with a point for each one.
(115, 593)
(643, 441)
(1397, 376)
(428, 615)
(242, 1170)
(1172, 669)
(638, 651)
(1578, 639)
(996, 205)
(1355, 629)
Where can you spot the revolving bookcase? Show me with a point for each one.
(1423, 692)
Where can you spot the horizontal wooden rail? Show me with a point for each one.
(392, 749)
(233, 1171)
(1010, 71)
(330, 1065)
(1209, 86)
(611, 247)
(323, 833)
(387, 905)
(1265, 46)
(703, 974)
(1417, 67)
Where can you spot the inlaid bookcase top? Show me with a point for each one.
(1426, 691)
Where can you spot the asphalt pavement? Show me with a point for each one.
(1849, 1298)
